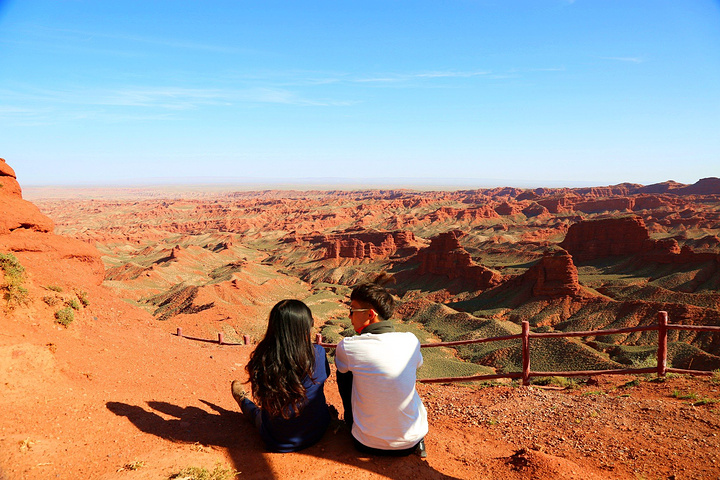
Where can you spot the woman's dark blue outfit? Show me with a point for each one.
(302, 430)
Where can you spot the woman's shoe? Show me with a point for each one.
(238, 392)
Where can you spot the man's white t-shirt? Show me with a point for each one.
(388, 413)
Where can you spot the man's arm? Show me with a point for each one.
(418, 356)
(341, 360)
(344, 382)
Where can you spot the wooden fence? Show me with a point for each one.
(526, 374)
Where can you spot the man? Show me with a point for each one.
(376, 378)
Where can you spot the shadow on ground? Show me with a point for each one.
(229, 430)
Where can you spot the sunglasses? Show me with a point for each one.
(353, 310)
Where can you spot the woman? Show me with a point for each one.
(287, 375)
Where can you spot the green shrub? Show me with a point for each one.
(631, 384)
(51, 300)
(10, 265)
(54, 288)
(134, 465)
(563, 382)
(684, 396)
(83, 296)
(73, 303)
(64, 316)
(15, 293)
(202, 473)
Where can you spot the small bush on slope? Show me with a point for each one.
(64, 316)
(15, 293)
(201, 473)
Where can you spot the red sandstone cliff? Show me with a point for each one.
(704, 186)
(446, 257)
(555, 275)
(507, 208)
(14, 211)
(560, 204)
(592, 239)
(370, 245)
(25, 232)
(605, 205)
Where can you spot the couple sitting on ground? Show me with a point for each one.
(376, 373)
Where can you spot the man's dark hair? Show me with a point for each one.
(376, 296)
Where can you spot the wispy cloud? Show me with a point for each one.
(385, 79)
(172, 98)
(404, 77)
(283, 96)
(625, 59)
(142, 100)
(549, 69)
(450, 74)
(79, 37)
(48, 106)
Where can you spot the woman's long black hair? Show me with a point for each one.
(283, 359)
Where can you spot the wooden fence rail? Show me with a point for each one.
(662, 328)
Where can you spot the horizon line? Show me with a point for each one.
(327, 183)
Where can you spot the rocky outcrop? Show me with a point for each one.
(593, 239)
(672, 254)
(26, 232)
(445, 256)
(444, 214)
(557, 205)
(477, 213)
(662, 187)
(704, 186)
(535, 210)
(8, 181)
(54, 259)
(370, 245)
(621, 190)
(605, 205)
(180, 299)
(175, 253)
(15, 212)
(555, 275)
(506, 208)
(649, 202)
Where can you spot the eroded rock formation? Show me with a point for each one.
(15, 212)
(555, 275)
(370, 245)
(26, 232)
(445, 256)
(608, 237)
(507, 208)
(704, 186)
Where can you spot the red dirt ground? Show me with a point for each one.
(114, 388)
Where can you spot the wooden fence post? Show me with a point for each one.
(246, 339)
(318, 338)
(179, 332)
(662, 343)
(220, 338)
(526, 352)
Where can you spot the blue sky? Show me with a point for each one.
(473, 93)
